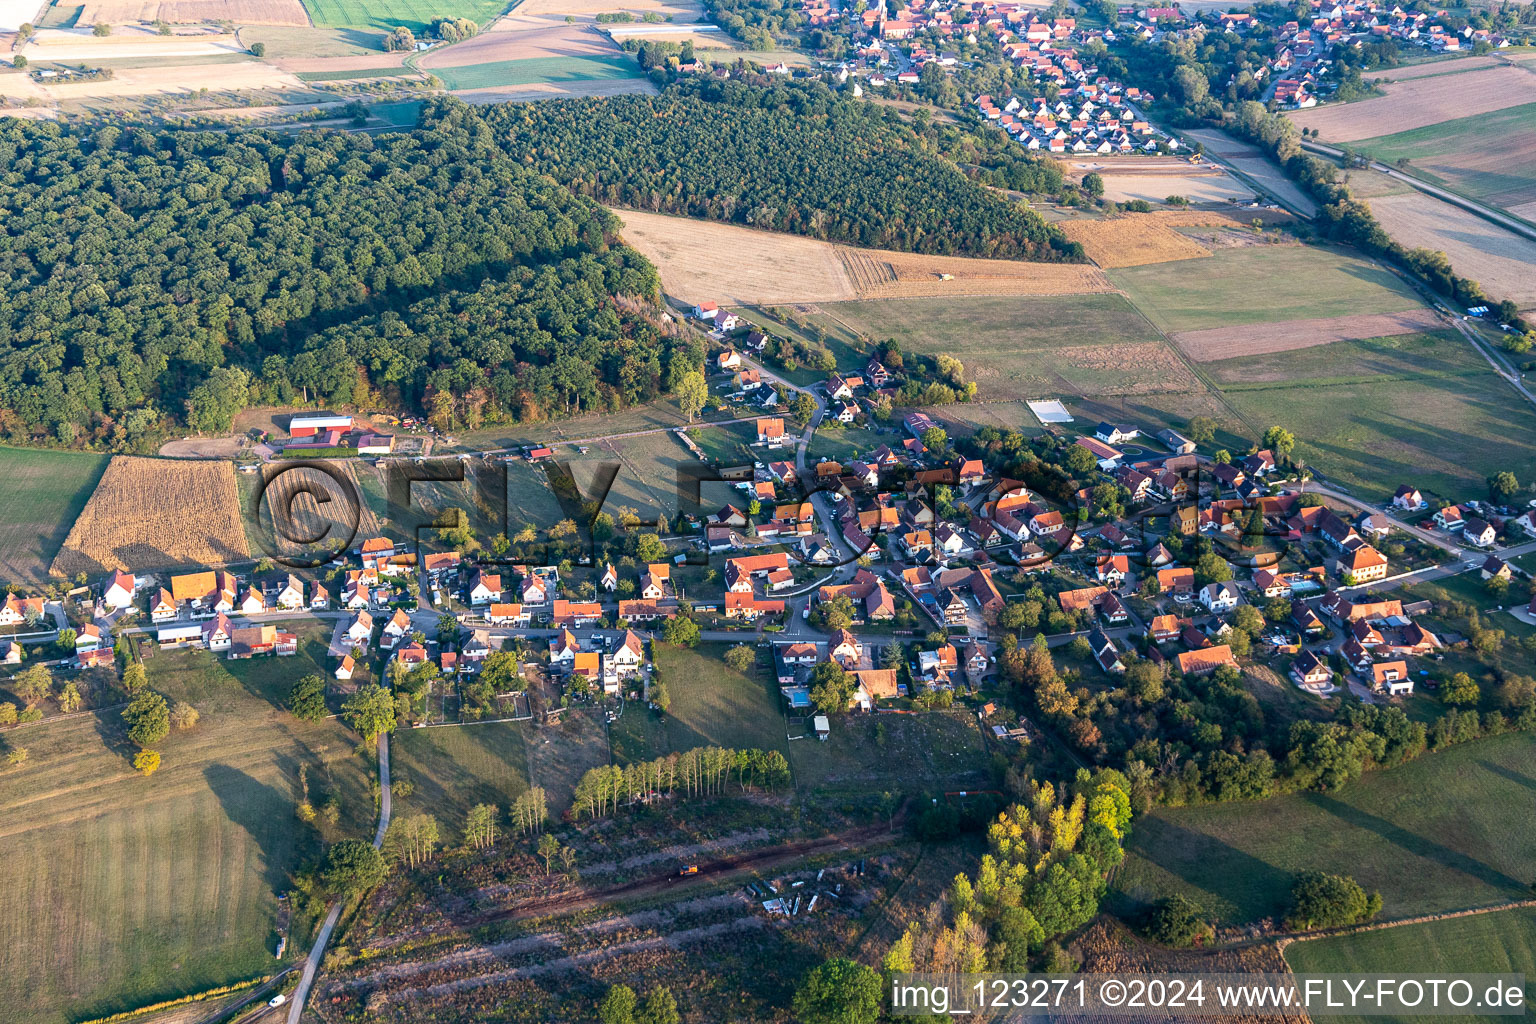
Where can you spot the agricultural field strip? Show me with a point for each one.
(1417, 103)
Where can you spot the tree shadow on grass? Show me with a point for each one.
(1419, 846)
(260, 810)
(1507, 773)
(1250, 887)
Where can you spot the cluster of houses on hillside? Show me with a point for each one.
(1091, 118)
(1304, 50)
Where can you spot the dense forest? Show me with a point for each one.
(149, 278)
(796, 158)
(758, 23)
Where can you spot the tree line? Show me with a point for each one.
(792, 157)
(702, 771)
(197, 272)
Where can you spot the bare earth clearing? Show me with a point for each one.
(1499, 260)
(1154, 180)
(152, 513)
(1420, 102)
(704, 261)
(1131, 241)
(1286, 335)
(245, 12)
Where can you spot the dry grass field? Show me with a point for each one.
(705, 261)
(1433, 68)
(1131, 241)
(243, 12)
(879, 274)
(188, 78)
(1499, 260)
(701, 260)
(1419, 102)
(1288, 335)
(153, 513)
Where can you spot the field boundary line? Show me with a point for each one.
(1496, 217)
(1380, 926)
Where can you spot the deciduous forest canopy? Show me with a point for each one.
(156, 276)
(795, 158)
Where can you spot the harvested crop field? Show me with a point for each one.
(242, 12)
(1420, 102)
(519, 37)
(294, 491)
(1491, 157)
(679, 10)
(183, 79)
(878, 273)
(1499, 260)
(1131, 241)
(1287, 335)
(707, 261)
(1433, 68)
(153, 513)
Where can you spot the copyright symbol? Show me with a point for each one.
(305, 513)
(1112, 992)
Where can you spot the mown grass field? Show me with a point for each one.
(712, 705)
(1497, 943)
(1261, 284)
(123, 890)
(1032, 346)
(43, 495)
(1486, 157)
(537, 70)
(1375, 413)
(415, 15)
(452, 769)
(1433, 835)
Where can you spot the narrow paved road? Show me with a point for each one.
(312, 965)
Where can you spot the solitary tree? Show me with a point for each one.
(352, 866)
(740, 657)
(148, 718)
(307, 698)
(371, 711)
(146, 762)
(548, 847)
(692, 392)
